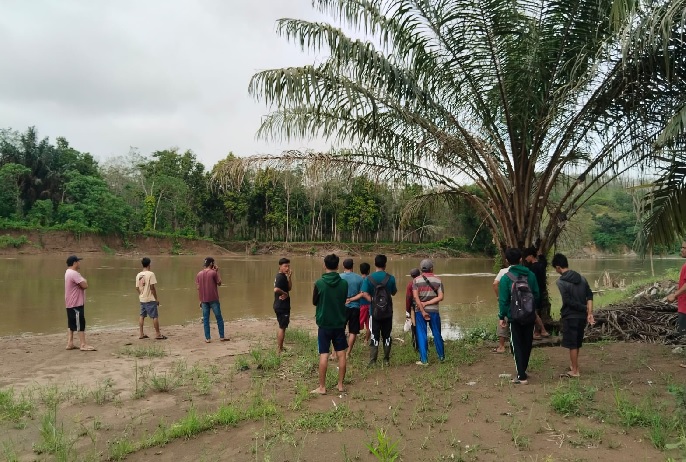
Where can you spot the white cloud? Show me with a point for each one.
(152, 74)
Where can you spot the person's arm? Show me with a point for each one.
(496, 286)
(437, 298)
(394, 287)
(217, 277)
(408, 298)
(679, 291)
(83, 284)
(289, 275)
(503, 299)
(589, 304)
(153, 291)
(533, 284)
(315, 296)
(279, 285)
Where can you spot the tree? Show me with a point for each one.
(515, 97)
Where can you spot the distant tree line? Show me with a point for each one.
(55, 186)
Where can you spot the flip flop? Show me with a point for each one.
(569, 375)
(88, 348)
(495, 350)
(164, 337)
(519, 382)
(546, 335)
(72, 347)
(224, 339)
(141, 338)
(317, 392)
(682, 365)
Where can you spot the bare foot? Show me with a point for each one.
(71, 347)
(319, 391)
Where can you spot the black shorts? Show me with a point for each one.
(681, 317)
(353, 320)
(328, 337)
(76, 319)
(284, 318)
(573, 332)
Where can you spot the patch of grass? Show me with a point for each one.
(241, 364)
(301, 338)
(260, 408)
(266, 360)
(53, 438)
(8, 452)
(120, 448)
(152, 351)
(15, 408)
(538, 360)
(384, 449)
(10, 241)
(107, 250)
(338, 418)
(103, 393)
(51, 395)
(163, 383)
(570, 398)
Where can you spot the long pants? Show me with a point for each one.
(216, 309)
(521, 340)
(380, 328)
(423, 339)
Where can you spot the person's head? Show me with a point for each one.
(380, 261)
(560, 262)
(513, 256)
(427, 266)
(73, 262)
(284, 265)
(365, 268)
(348, 264)
(683, 249)
(331, 262)
(529, 254)
(208, 263)
(145, 261)
(414, 272)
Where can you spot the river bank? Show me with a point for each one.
(184, 400)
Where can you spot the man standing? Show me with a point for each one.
(147, 295)
(502, 332)
(352, 302)
(329, 295)
(576, 311)
(207, 282)
(680, 296)
(380, 327)
(521, 335)
(364, 303)
(411, 306)
(74, 298)
(282, 300)
(538, 266)
(427, 290)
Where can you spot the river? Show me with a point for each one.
(32, 288)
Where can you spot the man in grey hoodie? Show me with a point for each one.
(576, 311)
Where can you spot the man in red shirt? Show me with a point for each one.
(680, 296)
(207, 281)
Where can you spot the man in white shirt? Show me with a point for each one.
(147, 295)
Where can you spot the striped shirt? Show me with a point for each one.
(425, 290)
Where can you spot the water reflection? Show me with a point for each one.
(33, 288)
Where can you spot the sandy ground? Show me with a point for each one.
(459, 410)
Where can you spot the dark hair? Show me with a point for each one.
(348, 263)
(331, 261)
(283, 261)
(380, 261)
(208, 262)
(560, 260)
(530, 252)
(513, 256)
(414, 272)
(145, 262)
(365, 268)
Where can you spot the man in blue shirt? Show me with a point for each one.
(380, 328)
(352, 303)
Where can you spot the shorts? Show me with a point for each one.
(76, 319)
(353, 322)
(503, 332)
(284, 318)
(326, 337)
(149, 309)
(364, 316)
(681, 318)
(573, 332)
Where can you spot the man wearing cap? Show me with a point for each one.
(352, 303)
(411, 306)
(207, 282)
(147, 296)
(427, 290)
(75, 287)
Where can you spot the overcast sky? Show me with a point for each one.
(151, 74)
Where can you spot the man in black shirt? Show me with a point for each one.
(282, 300)
(538, 267)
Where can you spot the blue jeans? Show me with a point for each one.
(423, 339)
(216, 309)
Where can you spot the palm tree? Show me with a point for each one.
(516, 97)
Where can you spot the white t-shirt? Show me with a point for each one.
(144, 280)
(501, 273)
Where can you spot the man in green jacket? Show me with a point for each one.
(330, 293)
(521, 335)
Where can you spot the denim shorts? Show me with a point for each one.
(149, 309)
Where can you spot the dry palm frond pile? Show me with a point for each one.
(649, 322)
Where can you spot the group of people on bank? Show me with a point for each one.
(347, 302)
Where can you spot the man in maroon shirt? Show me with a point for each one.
(680, 297)
(207, 281)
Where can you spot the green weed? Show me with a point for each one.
(334, 419)
(569, 398)
(53, 438)
(384, 450)
(153, 351)
(13, 408)
(103, 393)
(241, 364)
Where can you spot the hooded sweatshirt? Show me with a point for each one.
(330, 293)
(505, 289)
(575, 292)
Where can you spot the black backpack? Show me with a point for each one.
(382, 303)
(522, 309)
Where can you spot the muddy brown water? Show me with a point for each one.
(32, 288)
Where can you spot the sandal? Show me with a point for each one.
(144, 336)
(495, 350)
(569, 375)
(519, 382)
(162, 337)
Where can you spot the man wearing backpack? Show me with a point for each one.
(427, 290)
(517, 297)
(576, 311)
(378, 288)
